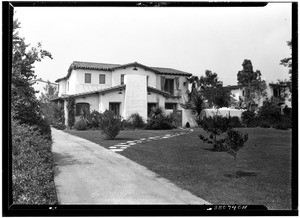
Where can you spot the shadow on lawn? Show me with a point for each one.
(241, 174)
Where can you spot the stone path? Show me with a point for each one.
(122, 146)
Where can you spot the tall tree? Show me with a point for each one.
(287, 62)
(25, 106)
(213, 90)
(50, 93)
(253, 84)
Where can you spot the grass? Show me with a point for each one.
(264, 165)
(127, 135)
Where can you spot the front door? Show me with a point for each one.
(115, 107)
(178, 115)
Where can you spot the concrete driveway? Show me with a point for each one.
(90, 174)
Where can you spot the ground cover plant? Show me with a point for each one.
(264, 170)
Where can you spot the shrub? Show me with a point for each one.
(32, 167)
(110, 125)
(93, 119)
(81, 125)
(71, 112)
(269, 112)
(282, 126)
(158, 120)
(137, 121)
(44, 128)
(235, 140)
(215, 126)
(249, 118)
(287, 111)
(264, 124)
(234, 122)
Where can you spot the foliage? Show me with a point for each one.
(24, 105)
(234, 141)
(71, 111)
(81, 125)
(254, 86)
(93, 119)
(215, 126)
(287, 111)
(51, 92)
(110, 124)
(287, 62)
(234, 122)
(269, 112)
(32, 167)
(248, 118)
(136, 121)
(158, 120)
(196, 103)
(213, 91)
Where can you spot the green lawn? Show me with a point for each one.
(128, 135)
(264, 170)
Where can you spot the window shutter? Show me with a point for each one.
(162, 82)
(177, 82)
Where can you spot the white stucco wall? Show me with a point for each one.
(62, 87)
(116, 75)
(81, 86)
(135, 95)
(113, 97)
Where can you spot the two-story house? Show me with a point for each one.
(279, 93)
(125, 89)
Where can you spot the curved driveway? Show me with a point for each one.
(87, 173)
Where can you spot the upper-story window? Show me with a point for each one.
(147, 80)
(87, 78)
(169, 86)
(122, 79)
(102, 79)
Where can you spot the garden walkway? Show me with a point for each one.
(122, 146)
(90, 174)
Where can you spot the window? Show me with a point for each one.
(170, 106)
(147, 80)
(102, 79)
(150, 106)
(68, 85)
(88, 78)
(169, 86)
(82, 109)
(115, 107)
(122, 79)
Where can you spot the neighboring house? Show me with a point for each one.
(276, 92)
(39, 85)
(125, 89)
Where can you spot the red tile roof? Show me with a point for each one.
(111, 67)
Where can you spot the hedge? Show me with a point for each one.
(32, 167)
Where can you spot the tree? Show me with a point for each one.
(213, 91)
(234, 141)
(24, 105)
(53, 112)
(50, 93)
(287, 62)
(254, 86)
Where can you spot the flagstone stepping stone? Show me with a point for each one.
(112, 147)
(143, 139)
(122, 145)
(132, 143)
(129, 141)
(117, 149)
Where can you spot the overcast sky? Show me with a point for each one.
(187, 39)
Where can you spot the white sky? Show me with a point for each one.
(187, 39)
